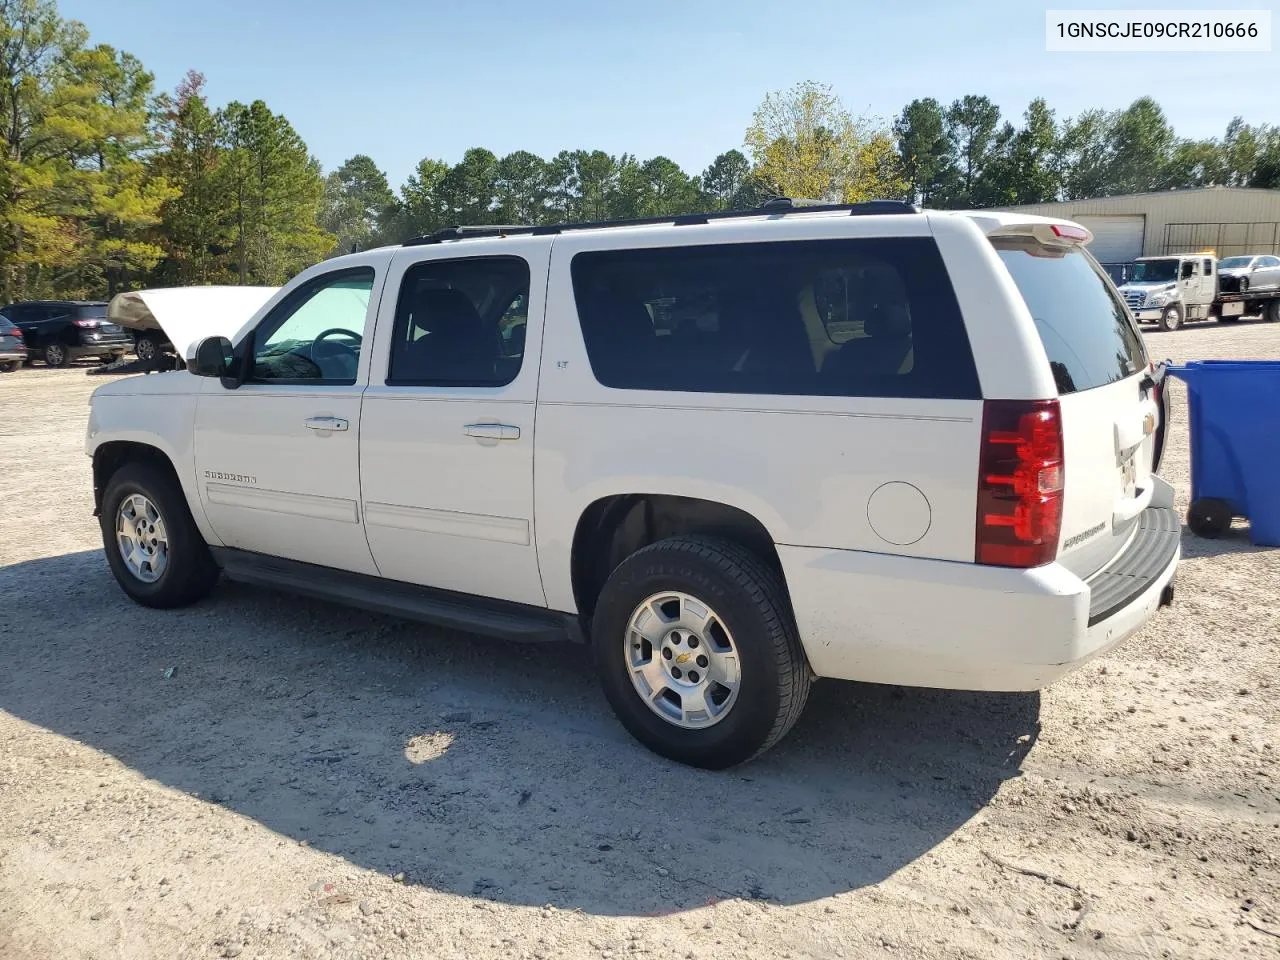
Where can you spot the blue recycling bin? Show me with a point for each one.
(1235, 445)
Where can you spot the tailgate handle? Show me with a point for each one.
(1130, 507)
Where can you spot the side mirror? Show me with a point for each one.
(212, 357)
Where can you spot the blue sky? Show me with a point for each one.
(400, 80)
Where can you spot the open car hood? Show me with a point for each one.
(187, 314)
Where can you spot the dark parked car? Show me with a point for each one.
(59, 331)
(13, 349)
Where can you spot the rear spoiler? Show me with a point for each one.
(1046, 230)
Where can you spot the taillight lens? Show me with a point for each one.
(1020, 483)
(91, 322)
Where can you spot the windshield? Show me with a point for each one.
(1086, 332)
(1154, 271)
(1231, 263)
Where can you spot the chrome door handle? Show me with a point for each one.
(492, 431)
(325, 423)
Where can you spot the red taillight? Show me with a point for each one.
(91, 322)
(1020, 483)
(1068, 232)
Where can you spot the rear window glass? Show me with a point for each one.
(857, 318)
(1082, 323)
(91, 310)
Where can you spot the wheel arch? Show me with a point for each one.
(110, 456)
(613, 527)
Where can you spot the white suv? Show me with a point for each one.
(732, 453)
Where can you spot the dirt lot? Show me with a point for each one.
(311, 781)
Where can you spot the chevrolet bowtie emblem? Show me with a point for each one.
(684, 658)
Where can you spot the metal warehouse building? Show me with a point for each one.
(1225, 220)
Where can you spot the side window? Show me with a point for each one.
(1207, 268)
(460, 323)
(316, 333)
(1269, 262)
(1188, 269)
(822, 318)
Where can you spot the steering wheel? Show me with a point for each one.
(345, 354)
(342, 330)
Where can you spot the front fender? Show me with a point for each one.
(164, 422)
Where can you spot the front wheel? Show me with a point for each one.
(1171, 319)
(1272, 313)
(153, 545)
(698, 653)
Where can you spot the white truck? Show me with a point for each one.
(731, 453)
(1171, 290)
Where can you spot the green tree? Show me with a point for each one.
(1266, 171)
(925, 151)
(196, 221)
(1022, 164)
(421, 209)
(277, 196)
(971, 124)
(521, 187)
(468, 192)
(723, 181)
(359, 206)
(1140, 148)
(583, 185)
(120, 195)
(1194, 163)
(1240, 151)
(1084, 155)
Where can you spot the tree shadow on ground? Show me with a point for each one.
(486, 769)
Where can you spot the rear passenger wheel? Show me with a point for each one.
(153, 546)
(56, 355)
(698, 653)
(1272, 313)
(1209, 517)
(1171, 319)
(8, 366)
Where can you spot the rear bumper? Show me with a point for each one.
(933, 623)
(105, 343)
(6, 355)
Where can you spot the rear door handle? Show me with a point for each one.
(492, 431)
(326, 423)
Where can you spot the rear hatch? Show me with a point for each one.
(1107, 395)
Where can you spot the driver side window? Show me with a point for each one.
(314, 335)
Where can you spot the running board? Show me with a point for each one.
(442, 608)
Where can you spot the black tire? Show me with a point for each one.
(8, 366)
(1171, 319)
(1209, 517)
(749, 597)
(56, 355)
(1272, 311)
(146, 347)
(190, 572)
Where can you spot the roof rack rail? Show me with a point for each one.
(778, 206)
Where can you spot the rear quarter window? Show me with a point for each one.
(854, 318)
(1083, 324)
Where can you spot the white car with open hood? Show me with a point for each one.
(732, 453)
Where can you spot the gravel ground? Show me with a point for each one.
(310, 781)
